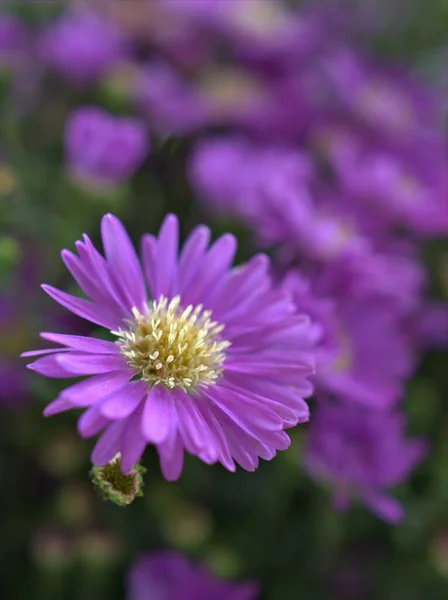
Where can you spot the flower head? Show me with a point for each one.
(361, 453)
(171, 576)
(102, 149)
(203, 356)
(82, 46)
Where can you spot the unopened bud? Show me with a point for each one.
(116, 487)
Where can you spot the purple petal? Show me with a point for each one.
(31, 353)
(97, 387)
(193, 429)
(159, 418)
(100, 269)
(90, 286)
(83, 308)
(108, 444)
(167, 246)
(83, 344)
(149, 259)
(90, 364)
(224, 455)
(133, 443)
(192, 255)
(123, 401)
(124, 261)
(49, 366)
(386, 508)
(171, 454)
(57, 406)
(91, 422)
(249, 414)
(216, 262)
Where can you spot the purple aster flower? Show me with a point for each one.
(82, 46)
(103, 149)
(362, 453)
(209, 358)
(363, 354)
(171, 576)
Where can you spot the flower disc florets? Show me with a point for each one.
(172, 346)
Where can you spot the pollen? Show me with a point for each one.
(172, 346)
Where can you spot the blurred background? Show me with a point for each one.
(312, 131)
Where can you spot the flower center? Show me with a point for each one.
(172, 346)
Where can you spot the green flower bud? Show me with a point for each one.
(116, 487)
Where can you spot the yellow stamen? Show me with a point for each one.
(172, 346)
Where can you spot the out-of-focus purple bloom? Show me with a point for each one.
(14, 40)
(215, 360)
(270, 188)
(173, 104)
(362, 453)
(396, 190)
(171, 576)
(82, 46)
(363, 355)
(170, 104)
(103, 149)
(431, 326)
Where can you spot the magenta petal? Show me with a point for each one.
(167, 246)
(123, 401)
(57, 406)
(217, 433)
(133, 443)
(217, 261)
(386, 508)
(90, 364)
(248, 413)
(32, 353)
(192, 255)
(91, 422)
(159, 418)
(100, 269)
(241, 446)
(149, 260)
(97, 387)
(80, 343)
(108, 444)
(171, 454)
(192, 427)
(124, 261)
(83, 308)
(50, 367)
(89, 283)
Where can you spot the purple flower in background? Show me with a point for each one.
(213, 360)
(103, 149)
(171, 576)
(361, 454)
(82, 47)
(13, 40)
(431, 326)
(363, 354)
(168, 101)
(394, 189)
